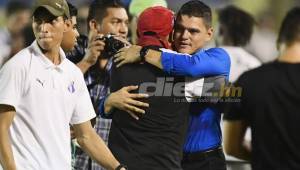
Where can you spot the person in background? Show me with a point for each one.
(68, 44)
(104, 17)
(69, 40)
(11, 38)
(234, 33)
(263, 42)
(269, 104)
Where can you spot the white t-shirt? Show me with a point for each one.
(47, 98)
(241, 61)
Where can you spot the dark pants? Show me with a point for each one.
(212, 160)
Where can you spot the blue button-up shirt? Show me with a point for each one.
(204, 132)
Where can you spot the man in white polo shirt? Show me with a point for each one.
(41, 93)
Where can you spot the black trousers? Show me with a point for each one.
(212, 160)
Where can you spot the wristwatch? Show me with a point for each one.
(121, 166)
(143, 53)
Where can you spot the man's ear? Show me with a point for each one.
(93, 24)
(210, 33)
(281, 48)
(93, 29)
(171, 37)
(68, 25)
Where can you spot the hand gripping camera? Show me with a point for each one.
(112, 45)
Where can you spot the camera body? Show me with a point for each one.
(112, 45)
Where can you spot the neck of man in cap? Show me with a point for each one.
(53, 54)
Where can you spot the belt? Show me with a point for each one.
(202, 154)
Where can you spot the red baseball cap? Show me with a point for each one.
(154, 25)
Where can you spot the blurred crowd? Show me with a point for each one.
(262, 44)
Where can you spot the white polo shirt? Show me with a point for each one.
(46, 98)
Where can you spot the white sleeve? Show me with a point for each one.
(12, 78)
(84, 110)
(193, 88)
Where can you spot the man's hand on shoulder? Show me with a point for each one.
(128, 55)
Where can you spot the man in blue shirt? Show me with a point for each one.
(192, 31)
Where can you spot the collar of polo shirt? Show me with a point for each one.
(46, 62)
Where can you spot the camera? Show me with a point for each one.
(112, 45)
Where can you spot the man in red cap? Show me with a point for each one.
(192, 31)
(154, 26)
(155, 140)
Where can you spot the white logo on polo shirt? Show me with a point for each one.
(71, 87)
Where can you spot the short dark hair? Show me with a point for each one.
(290, 27)
(195, 8)
(73, 10)
(98, 9)
(238, 25)
(28, 35)
(15, 6)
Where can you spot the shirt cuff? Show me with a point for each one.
(101, 109)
